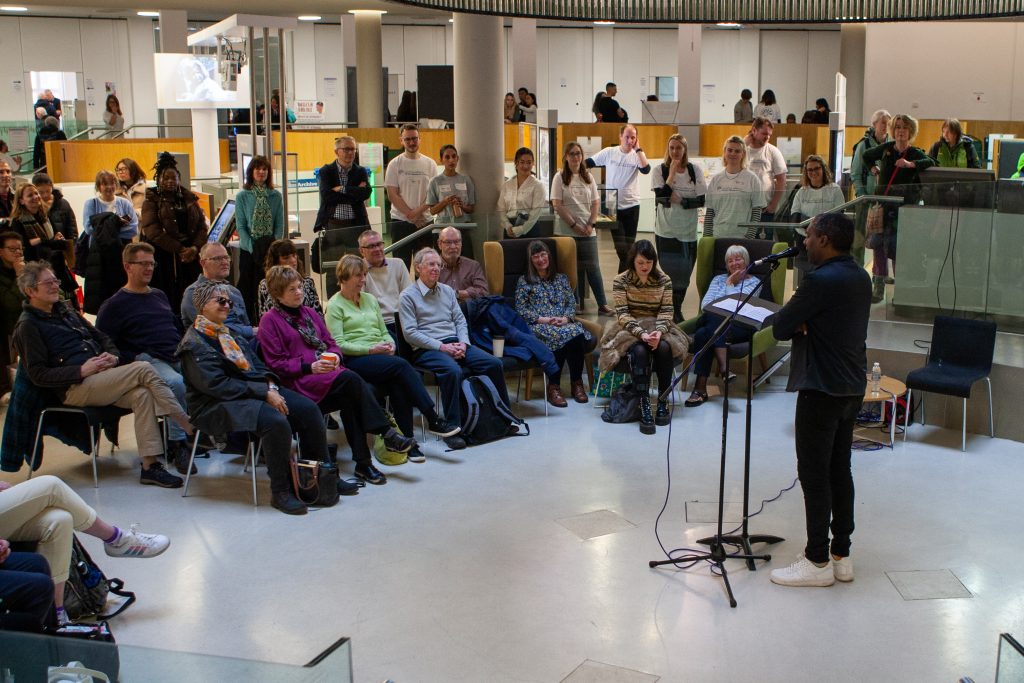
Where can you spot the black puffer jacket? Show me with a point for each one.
(104, 274)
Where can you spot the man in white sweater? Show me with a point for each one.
(385, 279)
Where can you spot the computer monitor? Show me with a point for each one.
(965, 188)
(223, 225)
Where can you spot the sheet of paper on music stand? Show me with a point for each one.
(749, 310)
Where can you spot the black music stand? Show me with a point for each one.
(716, 552)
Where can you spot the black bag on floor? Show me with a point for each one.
(78, 651)
(486, 416)
(624, 406)
(87, 588)
(315, 482)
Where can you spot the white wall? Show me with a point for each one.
(800, 66)
(945, 69)
(729, 62)
(330, 63)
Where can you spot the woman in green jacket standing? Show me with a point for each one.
(259, 220)
(897, 164)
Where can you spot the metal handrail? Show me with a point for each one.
(328, 266)
(879, 198)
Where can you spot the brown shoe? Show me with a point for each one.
(555, 397)
(578, 392)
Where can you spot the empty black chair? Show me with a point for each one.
(961, 354)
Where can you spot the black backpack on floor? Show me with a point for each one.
(87, 588)
(486, 416)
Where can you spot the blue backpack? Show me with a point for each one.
(486, 416)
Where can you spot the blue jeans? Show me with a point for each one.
(588, 269)
(170, 373)
(399, 381)
(449, 372)
(26, 591)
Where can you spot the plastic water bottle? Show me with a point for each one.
(876, 378)
(90, 575)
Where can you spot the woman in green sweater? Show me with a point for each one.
(897, 164)
(355, 321)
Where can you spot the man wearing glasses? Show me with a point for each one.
(407, 179)
(6, 190)
(12, 260)
(462, 274)
(140, 322)
(62, 352)
(344, 187)
(216, 265)
(385, 278)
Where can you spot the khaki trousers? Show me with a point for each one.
(137, 387)
(45, 509)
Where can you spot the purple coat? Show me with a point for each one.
(285, 353)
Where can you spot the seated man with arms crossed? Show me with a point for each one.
(386, 277)
(61, 351)
(434, 326)
(140, 322)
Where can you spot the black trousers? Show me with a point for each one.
(640, 357)
(624, 234)
(304, 418)
(824, 436)
(360, 412)
(571, 353)
(26, 593)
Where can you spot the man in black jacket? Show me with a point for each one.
(827, 319)
(62, 352)
(50, 131)
(344, 186)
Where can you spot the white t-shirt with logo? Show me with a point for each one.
(621, 171)
(577, 197)
(675, 221)
(412, 178)
(766, 163)
(810, 201)
(733, 197)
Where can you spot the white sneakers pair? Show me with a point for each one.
(803, 572)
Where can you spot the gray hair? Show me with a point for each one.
(738, 250)
(880, 114)
(30, 274)
(422, 254)
(50, 121)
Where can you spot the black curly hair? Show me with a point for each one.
(164, 161)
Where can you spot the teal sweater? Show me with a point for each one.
(245, 204)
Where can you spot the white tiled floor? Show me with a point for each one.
(461, 569)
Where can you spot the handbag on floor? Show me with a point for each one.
(87, 588)
(624, 406)
(608, 383)
(315, 482)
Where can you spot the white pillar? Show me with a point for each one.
(604, 58)
(524, 55)
(369, 64)
(851, 63)
(348, 49)
(479, 120)
(174, 38)
(689, 83)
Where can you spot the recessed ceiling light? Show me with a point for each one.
(310, 17)
(727, 24)
(148, 13)
(11, 8)
(604, 23)
(366, 11)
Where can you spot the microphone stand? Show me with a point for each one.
(716, 551)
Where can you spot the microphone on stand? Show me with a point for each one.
(785, 253)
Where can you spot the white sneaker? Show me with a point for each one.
(803, 572)
(134, 543)
(843, 568)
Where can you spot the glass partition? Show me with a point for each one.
(1010, 663)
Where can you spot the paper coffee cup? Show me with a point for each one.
(330, 357)
(499, 347)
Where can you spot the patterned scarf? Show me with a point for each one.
(228, 345)
(262, 224)
(303, 324)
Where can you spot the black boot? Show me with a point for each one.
(646, 418)
(677, 305)
(661, 417)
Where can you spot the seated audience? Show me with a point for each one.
(131, 183)
(62, 217)
(436, 329)
(12, 260)
(41, 243)
(6, 189)
(297, 347)
(229, 389)
(216, 263)
(736, 281)
(354, 320)
(643, 331)
(462, 274)
(61, 351)
(283, 253)
(522, 198)
(26, 591)
(47, 511)
(546, 301)
(172, 221)
(140, 322)
(451, 195)
(385, 279)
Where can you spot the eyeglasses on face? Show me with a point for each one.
(47, 283)
(218, 259)
(15, 250)
(375, 245)
(451, 242)
(144, 264)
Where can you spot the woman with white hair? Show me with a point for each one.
(863, 180)
(736, 281)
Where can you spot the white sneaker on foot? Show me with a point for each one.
(134, 543)
(842, 568)
(803, 572)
